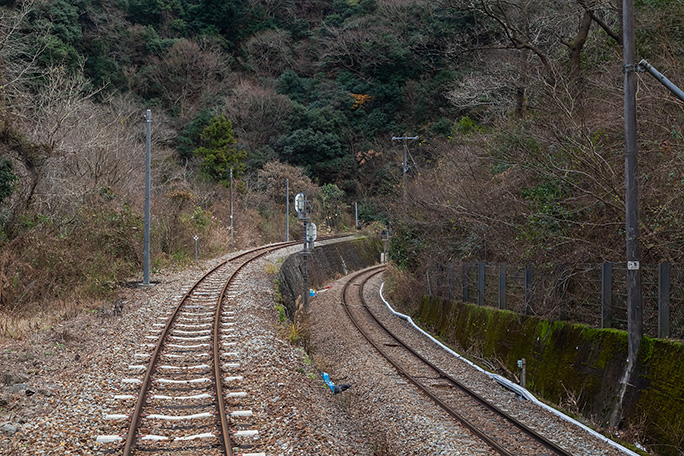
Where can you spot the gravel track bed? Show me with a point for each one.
(57, 386)
(503, 431)
(395, 416)
(568, 436)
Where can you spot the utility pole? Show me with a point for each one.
(634, 304)
(405, 166)
(148, 185)
(287, 210)
(231, 208)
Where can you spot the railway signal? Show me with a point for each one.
(304, 209)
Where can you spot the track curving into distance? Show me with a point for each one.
(195, 308)
(191, 372)
(501, 432)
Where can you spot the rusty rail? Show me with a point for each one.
(453, 413)
(132, 435)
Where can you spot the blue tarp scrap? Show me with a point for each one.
(334, 388)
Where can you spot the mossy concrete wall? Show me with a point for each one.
(570, 363)
(325, 263)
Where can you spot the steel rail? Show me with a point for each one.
(223, 415)
(536, 436)
(144, 388)
(495, 445)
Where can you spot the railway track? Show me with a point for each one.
(185, 385)
(501, 432)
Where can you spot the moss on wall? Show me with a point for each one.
(657, 400)
(574, 363)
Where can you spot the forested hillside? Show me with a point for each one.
(517, 105)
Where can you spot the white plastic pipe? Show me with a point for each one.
(508, 384)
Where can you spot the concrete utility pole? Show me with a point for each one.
(196, 238)
(405, 166)
(148, 184)
(231, 208)
(634, 304)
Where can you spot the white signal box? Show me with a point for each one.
(300, 201)
(311, 232)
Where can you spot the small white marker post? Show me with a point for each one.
(196, 238)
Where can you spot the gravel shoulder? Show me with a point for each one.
(57, 386)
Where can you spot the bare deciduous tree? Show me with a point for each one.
(272, 8)
(188, 72)
(269, 52)
(270, 182)
(258, 113)
(102, 155)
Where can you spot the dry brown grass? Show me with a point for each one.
(403, 289)
(22, 324)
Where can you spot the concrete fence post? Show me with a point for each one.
(664, 300)
(561, 287)
(502, 285)
(529, 273)
(606, 295)
(465, 267)
(481, 283)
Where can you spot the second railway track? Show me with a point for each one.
(183, 392)
(501, 432)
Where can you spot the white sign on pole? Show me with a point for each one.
(311, 232)
(299, 204)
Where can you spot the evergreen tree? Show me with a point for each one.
(219, 154)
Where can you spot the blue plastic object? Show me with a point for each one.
(326, 379)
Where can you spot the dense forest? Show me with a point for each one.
(517, 106)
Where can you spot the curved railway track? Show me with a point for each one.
(191, 374)
(501, 432)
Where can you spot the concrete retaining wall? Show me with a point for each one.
(571, 364)
(326, 263)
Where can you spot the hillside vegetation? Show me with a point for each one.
(517, 105)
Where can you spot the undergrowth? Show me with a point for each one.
(49, 269)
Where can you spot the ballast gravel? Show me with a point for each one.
(57, 387)
(399, 418)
